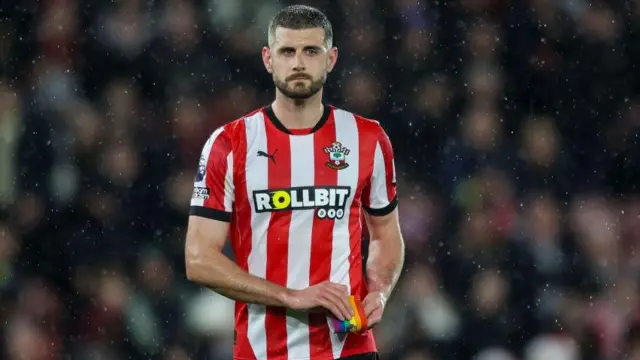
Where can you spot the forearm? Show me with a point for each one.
(223, 276)
(384, 265)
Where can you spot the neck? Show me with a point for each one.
(298, 114)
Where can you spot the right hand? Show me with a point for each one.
(330, 296)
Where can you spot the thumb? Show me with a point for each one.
(369, 305)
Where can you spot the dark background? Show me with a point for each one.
(515, 126)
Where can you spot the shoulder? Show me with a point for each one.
(236, 129)
(366, 127)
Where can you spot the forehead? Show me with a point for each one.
(299, 37)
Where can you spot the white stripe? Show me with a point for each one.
(378, 198)
(393, 164)
(204, 160)
(347, 134)
(228, 185)
(257, 177)
(300, 233)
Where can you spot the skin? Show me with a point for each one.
(299, 61)
(209, 267)
(384, 264)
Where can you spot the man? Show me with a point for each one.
(287, 183)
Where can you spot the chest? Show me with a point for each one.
(305, 172)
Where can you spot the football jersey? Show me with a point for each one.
(295, 200)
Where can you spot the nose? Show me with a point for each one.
(299, 63)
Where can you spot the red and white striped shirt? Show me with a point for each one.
(294, 200)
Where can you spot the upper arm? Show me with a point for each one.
(213, 189)
(212, 198)
(204, 235)
(383, 227)
(379, 197)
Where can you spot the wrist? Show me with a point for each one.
(384, 294)
(286, 297)
(385, 291)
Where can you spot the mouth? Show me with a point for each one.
(299, 77)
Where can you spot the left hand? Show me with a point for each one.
(373, 306)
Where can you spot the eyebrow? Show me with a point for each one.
(308, 47)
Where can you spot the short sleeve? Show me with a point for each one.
(379, 197)
(213, 188)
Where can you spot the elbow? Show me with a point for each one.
(198, 274)
(202, 267)
(193, 264)
(191, 269)
(193, 253)
(202, 253)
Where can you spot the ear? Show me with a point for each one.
(332, 58)
(266, 59)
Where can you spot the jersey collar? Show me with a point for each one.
(280, 126)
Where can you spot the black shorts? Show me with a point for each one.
(365, 356)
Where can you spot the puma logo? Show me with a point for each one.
(269, 156)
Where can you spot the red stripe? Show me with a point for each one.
(216, 171)
(241, 226)
(241, 234)
(279, 176)
(356, 343)
(321, 241)
(387, 154)
(366, 193)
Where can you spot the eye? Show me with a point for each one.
(312, 51)
(288, 52)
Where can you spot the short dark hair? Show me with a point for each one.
(298, 17)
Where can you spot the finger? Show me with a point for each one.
(341, 303)
(373, 323)
(343, 308)
(342, 297)
(333, 303)
(327, 304)
(369, 305)
(374, 319)
(346, 304)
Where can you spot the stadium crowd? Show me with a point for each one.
(515, 126)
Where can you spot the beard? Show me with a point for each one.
(296, 88)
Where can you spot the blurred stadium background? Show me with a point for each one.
(515, 125)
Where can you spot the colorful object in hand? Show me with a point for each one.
(356, 324)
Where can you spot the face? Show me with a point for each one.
(299, 61)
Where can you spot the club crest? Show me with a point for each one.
(337, 156)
